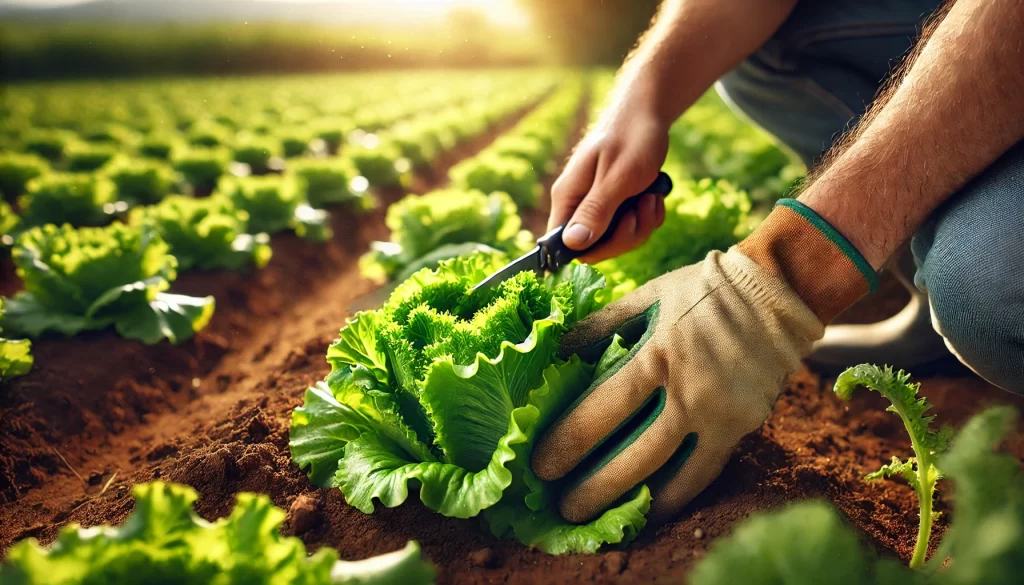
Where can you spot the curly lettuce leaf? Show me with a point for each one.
(529, 509)
(92, 278)
(163, 541)
(334, 415)
(205, 233)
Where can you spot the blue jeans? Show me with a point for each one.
(812, 80)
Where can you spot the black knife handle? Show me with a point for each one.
(556, 254)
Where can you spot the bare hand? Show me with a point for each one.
(616, 160)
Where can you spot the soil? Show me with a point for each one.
(98, 414)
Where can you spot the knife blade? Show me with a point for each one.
(551, 252)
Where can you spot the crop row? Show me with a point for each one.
(79, 276)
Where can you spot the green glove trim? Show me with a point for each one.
(836, 238)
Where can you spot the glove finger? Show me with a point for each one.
(605, 406)
(634, 452)
(630, 316)
(686, 476)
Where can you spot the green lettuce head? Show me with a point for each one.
(274, 203)
(426, 229)
(80, 199)
(91, 278)
(16, 170)
(205, 233)
(490, 172)
(447, 389)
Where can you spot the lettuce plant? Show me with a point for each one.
(426, 229)
(164, 541)
(208, 134)
(49, 144)
(529, 148)
(16, 170)
(447, 389)
(490, 172)
(9, 224)
(256, 151)
(85, 157)
(295, 141)
(91, 278)
(699, 217)
(201, 167)
(333, 131)
(275, 204)
(77, 198)
(919, 471)
(159, 145)
(325, 182)
(382, 165)
(141, 182)
(807, 542)
(205, 233)
(15, 354)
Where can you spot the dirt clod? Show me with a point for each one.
(484, 558)
(303, 513)
(615, 562)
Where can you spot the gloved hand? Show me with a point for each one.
(714, 344)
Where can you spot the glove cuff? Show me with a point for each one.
(796, 244)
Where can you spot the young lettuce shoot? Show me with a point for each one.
(919, 471)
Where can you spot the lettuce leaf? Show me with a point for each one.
(445, 390)
(92, 278)
(163, 541)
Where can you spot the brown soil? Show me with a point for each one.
(214, 414)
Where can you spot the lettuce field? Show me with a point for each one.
(195, 388)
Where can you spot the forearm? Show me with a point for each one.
(953, 113)
(690, 45)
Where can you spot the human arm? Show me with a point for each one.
(690, 45)
(719, 338)
(954, 112)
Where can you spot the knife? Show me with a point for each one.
(549, 255)
(551, 252)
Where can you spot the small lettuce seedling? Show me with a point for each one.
(919, 471)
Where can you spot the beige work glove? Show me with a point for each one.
(714, 343)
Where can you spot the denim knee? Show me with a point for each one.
(970, 258)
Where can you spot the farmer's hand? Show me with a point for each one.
(714, 344)
(619, 158)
